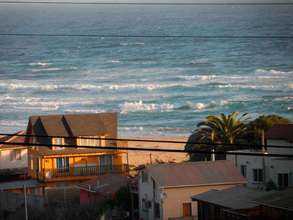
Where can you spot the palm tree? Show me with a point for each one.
(225, 128)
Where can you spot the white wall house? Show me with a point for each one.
(13, 158)
(165, 190)
(260, 170)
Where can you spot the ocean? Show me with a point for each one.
(159, 86)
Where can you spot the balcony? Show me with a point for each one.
(76, 173)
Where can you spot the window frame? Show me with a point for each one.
(258, 175)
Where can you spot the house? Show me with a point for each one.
(13, 158)
(263, 172)
(70, 163)
(244, 203)
(101, 187)
(165, 190)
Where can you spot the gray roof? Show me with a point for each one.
(74, 125)
(195, 173)
(19, 184)
(105, 184)
(238, 197)
(280, 199)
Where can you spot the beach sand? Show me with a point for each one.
(137, 158)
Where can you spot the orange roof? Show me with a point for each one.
(281, 132)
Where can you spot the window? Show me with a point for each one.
(186, 209)
(62, 164)
(157, 213)
(144, 176)
(89, 142)
(15, 154)
(257, 175)
(57, 141)
(283, 179)
(243, 170)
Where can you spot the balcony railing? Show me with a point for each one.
(83, 171)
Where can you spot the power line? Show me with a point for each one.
(149, 36)
(150, 149)
(148, 141)
(152, 3)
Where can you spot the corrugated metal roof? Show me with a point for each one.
(281, 199)
(195, 173)
(238, 197)
(105, 184)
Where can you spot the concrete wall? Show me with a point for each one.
(175, 197)
(272, 166)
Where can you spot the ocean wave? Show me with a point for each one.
(114, 61)
(42, 64)
(52, 69)
(140, 106)
(131, 43)
(200, 62)
(273, 72)
(198, 77)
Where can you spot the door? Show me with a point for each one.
(105, 163)
(186, 209)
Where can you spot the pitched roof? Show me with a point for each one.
(195, 173)
(74, 125)
(281, 132)
(238, 197)
(105, 184)
(13, 139)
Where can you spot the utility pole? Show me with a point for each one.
(25, 202)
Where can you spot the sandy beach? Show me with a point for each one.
(137, 158)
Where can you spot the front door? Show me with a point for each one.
(186, 209)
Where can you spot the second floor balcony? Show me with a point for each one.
(76, 173)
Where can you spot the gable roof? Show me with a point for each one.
(74, 125)
(281, 132)
(195, 173)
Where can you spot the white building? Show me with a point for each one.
(165, 190)
(13, 158)
(260, 170)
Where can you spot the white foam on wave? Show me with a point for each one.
(52, 69)
(140, 106)
(198, 77)
(114, 61)
(131, 43)
(42, 64)
(273, 72)
(200, 61)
